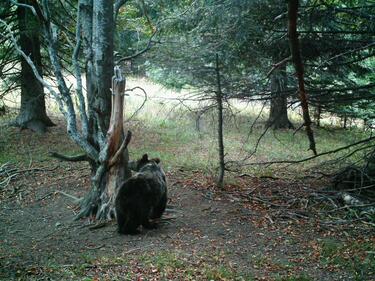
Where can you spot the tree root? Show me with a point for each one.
(76, 199)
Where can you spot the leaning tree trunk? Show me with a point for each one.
(298, 65)
(32, 114)
(278, 118)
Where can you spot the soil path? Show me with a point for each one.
(39, 230)
(204, 228)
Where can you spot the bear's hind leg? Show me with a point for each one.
(131, 227)
(160, 208)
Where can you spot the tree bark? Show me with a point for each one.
(102, 46)
(318, 114)
(278, 118)
(113, 168)
(97, 33)
(298, 65)
(106, 131)
(86, 8)
(220, 135)
(32, 113)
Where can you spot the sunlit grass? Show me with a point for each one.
(167, 128)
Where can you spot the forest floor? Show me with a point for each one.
(258, 228)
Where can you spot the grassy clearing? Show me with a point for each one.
(166, 128)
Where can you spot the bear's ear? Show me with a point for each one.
(144, 158)
(157, 160)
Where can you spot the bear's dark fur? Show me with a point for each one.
(142, 197)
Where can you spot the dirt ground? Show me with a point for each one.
(227, 232)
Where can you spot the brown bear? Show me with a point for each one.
(142, 197)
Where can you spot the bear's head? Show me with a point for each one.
(137, 165)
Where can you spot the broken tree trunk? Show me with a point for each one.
(113, 168)
(117, 143)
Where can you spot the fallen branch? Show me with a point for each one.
(312, 157)
(95, 248)
(251, 197)
(75, 158)
(76, 199)
(8, 173)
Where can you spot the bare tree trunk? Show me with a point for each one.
(219, 101)
(113, 169)
(32, 114)
(118, 156)
(298, 65)
(106, 149)
(102, 46)
(278, 118)
(86, 7)
(110, 170)
(318, 114)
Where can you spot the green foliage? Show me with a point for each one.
(194, 37)
(132, 30)
(250, 36)
(173, 264)
(339, 60)
(171, 79)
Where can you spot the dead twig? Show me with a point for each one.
(252, 197)
(277, 65)
(95, 248)
(98, 225)
(74, 158)
(143, 103)
(8, 173)
(76, 199)
(123, 146)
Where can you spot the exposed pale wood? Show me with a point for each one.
(120, 151)
(116, 171)
(115, 135)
